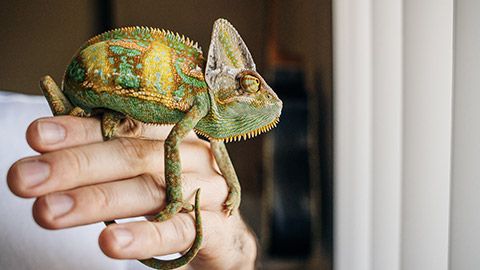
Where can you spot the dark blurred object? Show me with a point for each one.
(289, 215)
(104, 15)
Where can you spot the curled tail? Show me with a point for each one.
(58, 102)
(187, 257)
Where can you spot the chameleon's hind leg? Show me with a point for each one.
(58, 102)
(110, 123)
(226, 167)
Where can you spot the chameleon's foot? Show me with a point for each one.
(172, 209)
(187, 207)
(110, 123)
(191, 253)
(233, 202)
(77, 111)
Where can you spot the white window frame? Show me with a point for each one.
(393, 95)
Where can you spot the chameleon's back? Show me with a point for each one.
(152, 75)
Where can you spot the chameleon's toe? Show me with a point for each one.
(187, 207)
(232, 203)
(110, 123)
(169, 211)
(77, 111)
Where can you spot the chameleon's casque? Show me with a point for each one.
(156, 76)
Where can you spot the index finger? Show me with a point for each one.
(53, 133)
(59, 132)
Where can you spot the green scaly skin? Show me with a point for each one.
(158, 77)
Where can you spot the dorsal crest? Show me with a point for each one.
(143, 34)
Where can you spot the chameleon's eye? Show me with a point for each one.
(250, 83)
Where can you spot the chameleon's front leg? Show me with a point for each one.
(173, 167)
(228, 171)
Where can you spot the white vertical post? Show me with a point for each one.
(393, 95)
(428, 74)
(465, 214)
(368, 114)
(387, 116)
(353, 121)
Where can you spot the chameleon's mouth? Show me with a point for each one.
(246, 135)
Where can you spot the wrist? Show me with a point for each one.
(236, 248)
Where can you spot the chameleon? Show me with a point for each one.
(159, 77)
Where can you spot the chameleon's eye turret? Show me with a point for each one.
(250, 83)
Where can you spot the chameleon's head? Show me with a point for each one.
(243, 105)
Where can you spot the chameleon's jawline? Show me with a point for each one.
(244, 136)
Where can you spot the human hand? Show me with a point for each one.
(80, 179)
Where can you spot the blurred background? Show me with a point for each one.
(286, 174)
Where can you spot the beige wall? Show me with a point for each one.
(39, 37)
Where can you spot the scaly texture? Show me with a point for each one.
(158, 77)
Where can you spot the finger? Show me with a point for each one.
(97, 163)
(53, 133)
(144, 239)
(226, 241)
(143, 195)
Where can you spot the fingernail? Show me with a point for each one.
(123, 237)
(51, 132)
(33, 173)
(59, 204)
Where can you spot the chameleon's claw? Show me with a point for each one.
(77, 111)
(229, 212)
(232, 203)
(172, 209)
(110, 123)
(187, 207)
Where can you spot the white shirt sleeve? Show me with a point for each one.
(23, 244)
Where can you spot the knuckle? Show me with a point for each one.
(155, 235)
(132, 147)
(89, 127)
(133, 151)
(183, 228)
(78, 160)
(131, 128)
(101, 197)
(138, 154)
(153, 186)
(188, 184)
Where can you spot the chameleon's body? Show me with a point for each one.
(158, 77)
